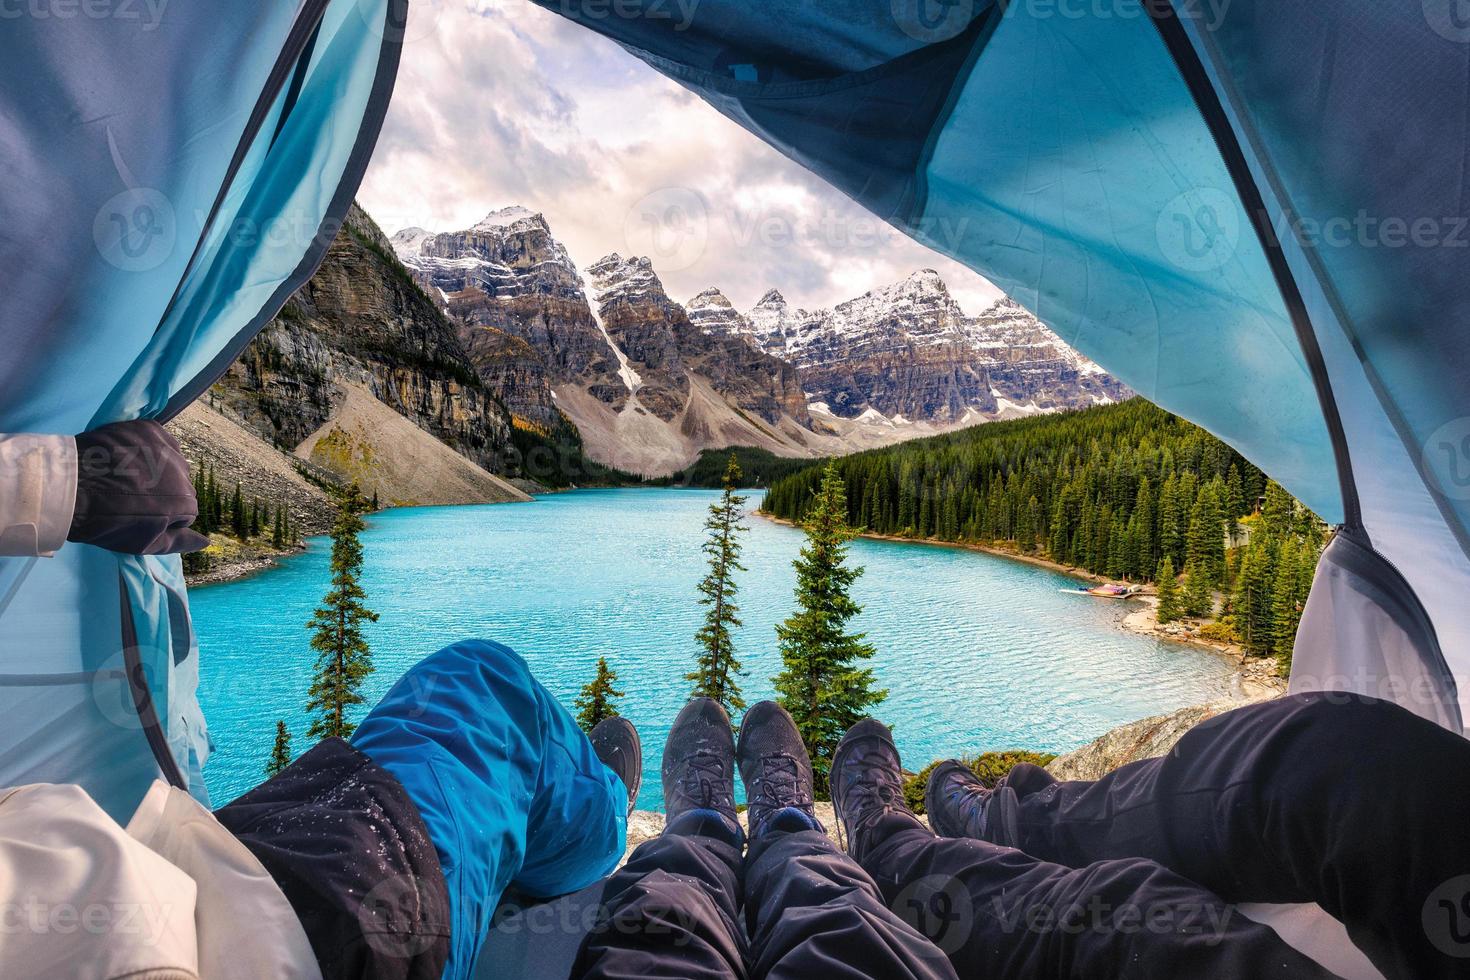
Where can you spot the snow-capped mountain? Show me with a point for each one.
(506, 279)
(649, 382)
(906, 352)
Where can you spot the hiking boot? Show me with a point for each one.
(699, 763)
(776, 770)
(867, 787)
(616, 743)
(956, 799)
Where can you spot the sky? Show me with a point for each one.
(500, 102)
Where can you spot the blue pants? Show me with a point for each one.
(505, 781)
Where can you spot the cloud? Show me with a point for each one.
(507, 103)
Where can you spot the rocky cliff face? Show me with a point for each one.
(760, 382)
(504, 279)
(665, 345)
(648, 328)
(362, 322)
(907, 352)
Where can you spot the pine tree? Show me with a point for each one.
(822, 684)
(1277, 512)
(598, 700)
(278, 528)
(343, 657)
(1234, 503)
(1169, 600)
(1199, 591)
(281, 752)
(1206, 540)
(1253, 596)
(1286, 611)
(239, 518)
(717, 671)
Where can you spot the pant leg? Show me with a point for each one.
(1346, 801)
(1000, 913)
(671, 911)
(811, 911)
(507, 784)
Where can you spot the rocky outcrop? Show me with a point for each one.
(757, 381)
(394, 461)
(362, 321)
(648, 382)
(1145, 739)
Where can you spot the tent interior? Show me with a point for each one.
(1175, 188)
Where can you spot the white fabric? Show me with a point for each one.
(1352, 639)
(38, 493)
(81, 899)
(173, 897)
(233, 889)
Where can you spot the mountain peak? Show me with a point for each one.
(772, 297)
(409, 242)
(711, 297)
(506, 217)
(614, 273)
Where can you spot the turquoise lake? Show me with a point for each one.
(977, 652)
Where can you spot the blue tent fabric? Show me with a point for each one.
(156, 216)
(507, 784)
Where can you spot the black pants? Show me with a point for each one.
(1346, 801)
(341, 837)
(1349, 802)
(675, 910)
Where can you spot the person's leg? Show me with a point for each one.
(811, 911)
(1346, 801)
(673, 909)
(509, 787)
(348, 848)
(999, 912)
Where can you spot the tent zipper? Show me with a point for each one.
(1197, 81)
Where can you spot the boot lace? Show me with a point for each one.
(707, 783)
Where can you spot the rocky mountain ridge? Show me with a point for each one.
(908, 352)
(648, 382)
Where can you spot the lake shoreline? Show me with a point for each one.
(1254, 677)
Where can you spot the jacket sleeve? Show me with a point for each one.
(38, 493)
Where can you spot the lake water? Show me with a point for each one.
(977, 652)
